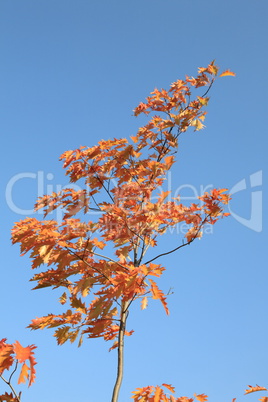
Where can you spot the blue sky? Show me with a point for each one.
(71, 74)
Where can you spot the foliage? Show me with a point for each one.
(120, 185)
(129, 216)
(13, 355)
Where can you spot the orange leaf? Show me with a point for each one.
(169, 387)
(24, 374)
(226, 73)
(201, 397)
(23, 354)
(158, 294)
(158, 394)
(254, 389)
(6, 360)
(128, 217)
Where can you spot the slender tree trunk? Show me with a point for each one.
(120, 352)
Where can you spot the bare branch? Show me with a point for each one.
(11, 375)
(8, 382)
(182, 245)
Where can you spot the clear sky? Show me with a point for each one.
(71, 73)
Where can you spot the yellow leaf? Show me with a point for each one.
(214, 69)
(144, 303)
(197, 124)
(45, 252)
(168, 123)
(203, 101)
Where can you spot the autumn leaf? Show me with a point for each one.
(201, 397)
(63, 298)
(78, 304)
(158, 393)
(8, 397)
(203, 101)
(24, 354)
(158, 294)
(144, 302)
(193, 233)
(197, 124)
(62, 334)
(24, 373)
(6, 358)
(123, 185)
(169, 387)
(98, 243)
(254, 389)
(226, 73)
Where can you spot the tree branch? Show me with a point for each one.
(109, 259)
(8, 382)
(182, 245)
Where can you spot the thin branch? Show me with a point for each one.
(171, 251)
(98, 178)
(132, 231)
(109, 259)
(182, 245)
(9, 383)
(94, 268)
(99, 255)
(94, 209)
(11, 375)
(210, 85)
(170, 292)
(96, 203)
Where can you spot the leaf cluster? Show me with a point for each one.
(120, 181)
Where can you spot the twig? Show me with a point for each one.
(182, 245)
(9, 383)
